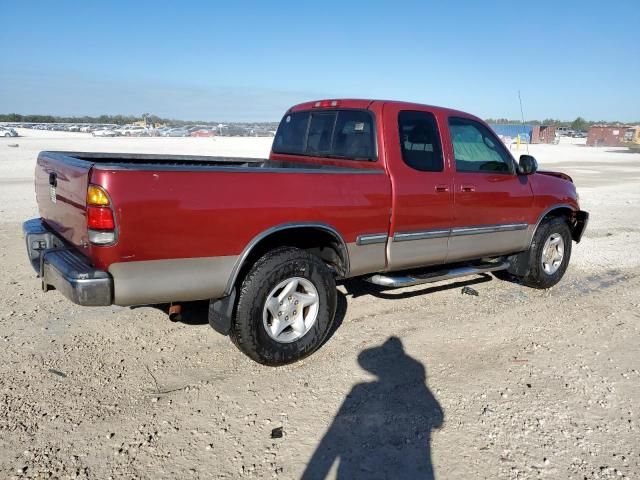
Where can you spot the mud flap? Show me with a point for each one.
(221, 313)
(581, 221)
(519, 264)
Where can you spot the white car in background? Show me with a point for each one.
(105, 132)
(8, 132)
(137, 132)
(122, 130)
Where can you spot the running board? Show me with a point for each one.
(438, 275)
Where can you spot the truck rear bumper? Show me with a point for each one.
(64, 268)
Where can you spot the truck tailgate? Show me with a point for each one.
(61, 190)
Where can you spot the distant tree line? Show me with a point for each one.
(109, 119)
(577, 124)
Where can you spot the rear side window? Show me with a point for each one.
(419, 141)
(476, 148)
(291, 135)
(348, 134)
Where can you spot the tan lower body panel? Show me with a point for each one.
(469, 247)
(417, 253)
(162, 281)
(366, 258)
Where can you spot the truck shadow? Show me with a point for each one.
(383, 427)
(195, 313)
(357, 288)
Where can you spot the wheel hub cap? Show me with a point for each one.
(290, 310)
(552, 253)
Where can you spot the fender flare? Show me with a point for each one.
(278, 228)
(544, 214)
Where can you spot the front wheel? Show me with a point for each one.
(549, 254)
(286, 307)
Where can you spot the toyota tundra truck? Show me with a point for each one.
(395, 193)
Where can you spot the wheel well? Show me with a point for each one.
(560, 212)
(323, 243)
(572, 218)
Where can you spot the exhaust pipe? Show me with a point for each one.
(175, 312)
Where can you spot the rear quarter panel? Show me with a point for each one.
(171, 214)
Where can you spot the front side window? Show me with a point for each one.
(419, 141)
(476, 149)
(348, 134)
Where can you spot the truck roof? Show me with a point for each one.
(362, 103)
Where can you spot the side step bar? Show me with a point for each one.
(437, 275)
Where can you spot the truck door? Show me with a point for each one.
(422, 188)
(492, 203)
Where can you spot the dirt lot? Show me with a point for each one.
(520, 383)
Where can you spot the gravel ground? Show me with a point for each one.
(512, 383)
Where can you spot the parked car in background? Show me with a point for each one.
(177, 132)
(203, 132)
(8, 132)
(105, 132)
(580, 134)
(136, 131)
(123, 130)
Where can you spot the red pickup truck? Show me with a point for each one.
(396, 193)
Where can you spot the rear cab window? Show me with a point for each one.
(340, 133)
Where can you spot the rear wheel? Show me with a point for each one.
(285, 308)
(549, 254)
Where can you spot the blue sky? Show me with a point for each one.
(241, 60)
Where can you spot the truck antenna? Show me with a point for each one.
(522, 116)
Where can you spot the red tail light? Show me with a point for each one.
(100, 218)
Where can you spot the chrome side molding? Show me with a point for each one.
(488, 229)
(426, 234)
(371, 239)
(454, 232)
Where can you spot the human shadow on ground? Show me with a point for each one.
(383, 428)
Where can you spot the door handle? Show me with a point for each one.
(467, 188)
(442, 188)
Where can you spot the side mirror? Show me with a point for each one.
(527, 165)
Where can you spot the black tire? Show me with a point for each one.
(536, 276)
(248, 331)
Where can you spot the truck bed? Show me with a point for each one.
(137, 161)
